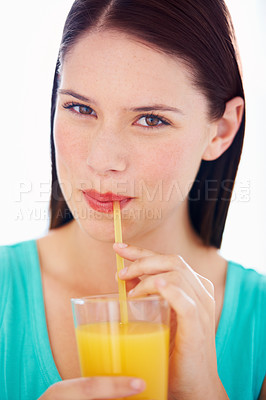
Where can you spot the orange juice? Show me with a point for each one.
(139, 349)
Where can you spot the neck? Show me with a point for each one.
(174, 235)
(88, 266)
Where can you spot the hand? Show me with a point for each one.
(192, 365)
(94, 388)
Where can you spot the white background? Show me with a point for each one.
(30, 33)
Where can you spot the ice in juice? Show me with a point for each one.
(139, 349)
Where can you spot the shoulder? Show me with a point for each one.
(246, 310)
(247, 279)
(14, 254)
(247, 287)
(14, 259)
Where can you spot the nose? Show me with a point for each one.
(106, 152)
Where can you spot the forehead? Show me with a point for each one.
(116, 63)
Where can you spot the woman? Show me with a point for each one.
(148, 109)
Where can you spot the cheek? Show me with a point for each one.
(172, 168)
(69, 147)
(69, 155)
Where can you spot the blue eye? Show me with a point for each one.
(79, 108)
(153, 121)
(149, 120)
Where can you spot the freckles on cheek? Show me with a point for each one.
(160, 165)
(61, 145)
(68, 145)
(169, 167)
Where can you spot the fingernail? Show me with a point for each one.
(131, 292)
(137, 384)
(123, 272)
(161, 283)
(122, 245)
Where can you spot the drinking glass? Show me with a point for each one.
(137, 348)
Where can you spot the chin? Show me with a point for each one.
(100, 226)
(101, 229)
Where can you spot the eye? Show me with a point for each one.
(79, 108)
(153, 121)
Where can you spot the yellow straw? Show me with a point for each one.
(120, 263)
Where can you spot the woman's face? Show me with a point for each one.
(129, 122)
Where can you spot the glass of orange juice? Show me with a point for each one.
(137, 348)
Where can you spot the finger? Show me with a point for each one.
(94, 388)
(173, 328)
(150, 265)
(193, 318)
(130, 284)
(131, 253)
(147, 262)
(149, 285)
(157, 263)
(184, 306)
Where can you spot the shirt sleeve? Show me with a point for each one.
(4, 281)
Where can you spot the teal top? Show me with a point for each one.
(27, 367)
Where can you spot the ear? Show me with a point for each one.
(225, 129)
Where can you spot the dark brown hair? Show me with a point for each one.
(201, 34)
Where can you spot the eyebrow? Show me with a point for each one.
(152, 107)
(76, 95)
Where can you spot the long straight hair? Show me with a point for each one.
(201, 34)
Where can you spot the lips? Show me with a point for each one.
(103, 202)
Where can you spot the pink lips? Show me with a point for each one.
(103, 202)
